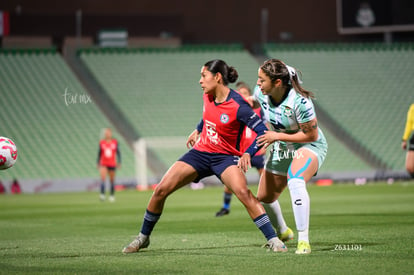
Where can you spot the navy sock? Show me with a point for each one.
(263, 223)
(150, 219)
(227, 200)
(112, 188)
(102, 187)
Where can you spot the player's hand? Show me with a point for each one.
(244, 162)
(192, 139)
(118, 166)
(266, 139)
(404, 145)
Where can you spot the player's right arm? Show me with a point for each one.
(99, 156)
(408, 126)
(193, 137)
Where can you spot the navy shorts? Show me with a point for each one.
(110, 168)
(258, 162)
(208, 164)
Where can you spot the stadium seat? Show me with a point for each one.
(56, 139)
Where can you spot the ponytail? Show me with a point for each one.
(277, 69)
(229, 74)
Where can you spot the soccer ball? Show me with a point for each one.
(8, 153)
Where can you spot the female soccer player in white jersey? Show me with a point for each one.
(298, 144)
(216, 151)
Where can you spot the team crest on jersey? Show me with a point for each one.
(288, 112)
(224, 118)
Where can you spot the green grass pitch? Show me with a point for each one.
(354, 230)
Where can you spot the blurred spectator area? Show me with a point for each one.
(37, 31)
(194, 22)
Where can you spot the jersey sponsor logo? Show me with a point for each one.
(298, 202)
(108, 152)
(211, 131)
(108, 149)
(224, 118)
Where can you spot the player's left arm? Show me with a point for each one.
(247, 116)
(98, 160)
(304, 112)
(308, 133)
(118, 154)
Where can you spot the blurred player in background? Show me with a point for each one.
(108, 163)
(215, 151)
(15, 187)
(299, 146)
(2, 188)
(408, 141)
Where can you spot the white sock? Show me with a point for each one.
(275, 215)
(301, 206)
(303, 235)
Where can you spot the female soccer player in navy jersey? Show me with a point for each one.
(298, 144)
(215, 151)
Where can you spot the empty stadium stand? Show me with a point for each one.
(49, 115)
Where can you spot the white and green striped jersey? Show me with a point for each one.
(287, 116)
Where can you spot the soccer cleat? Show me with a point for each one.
(287, 235)
(275, 245)
(102, 197)
(303, 248)
(141, 241)
(112, 199)
(222, 212)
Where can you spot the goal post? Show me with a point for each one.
(169, 149)
(140, 156)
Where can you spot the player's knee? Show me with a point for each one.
(410, 170)
(269, 198)
(161, 192)
(266, 200)
(243, 194)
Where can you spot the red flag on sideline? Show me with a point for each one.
(4, 23)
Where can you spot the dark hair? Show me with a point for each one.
(244, 85)
(276, 69)
(228, 73)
